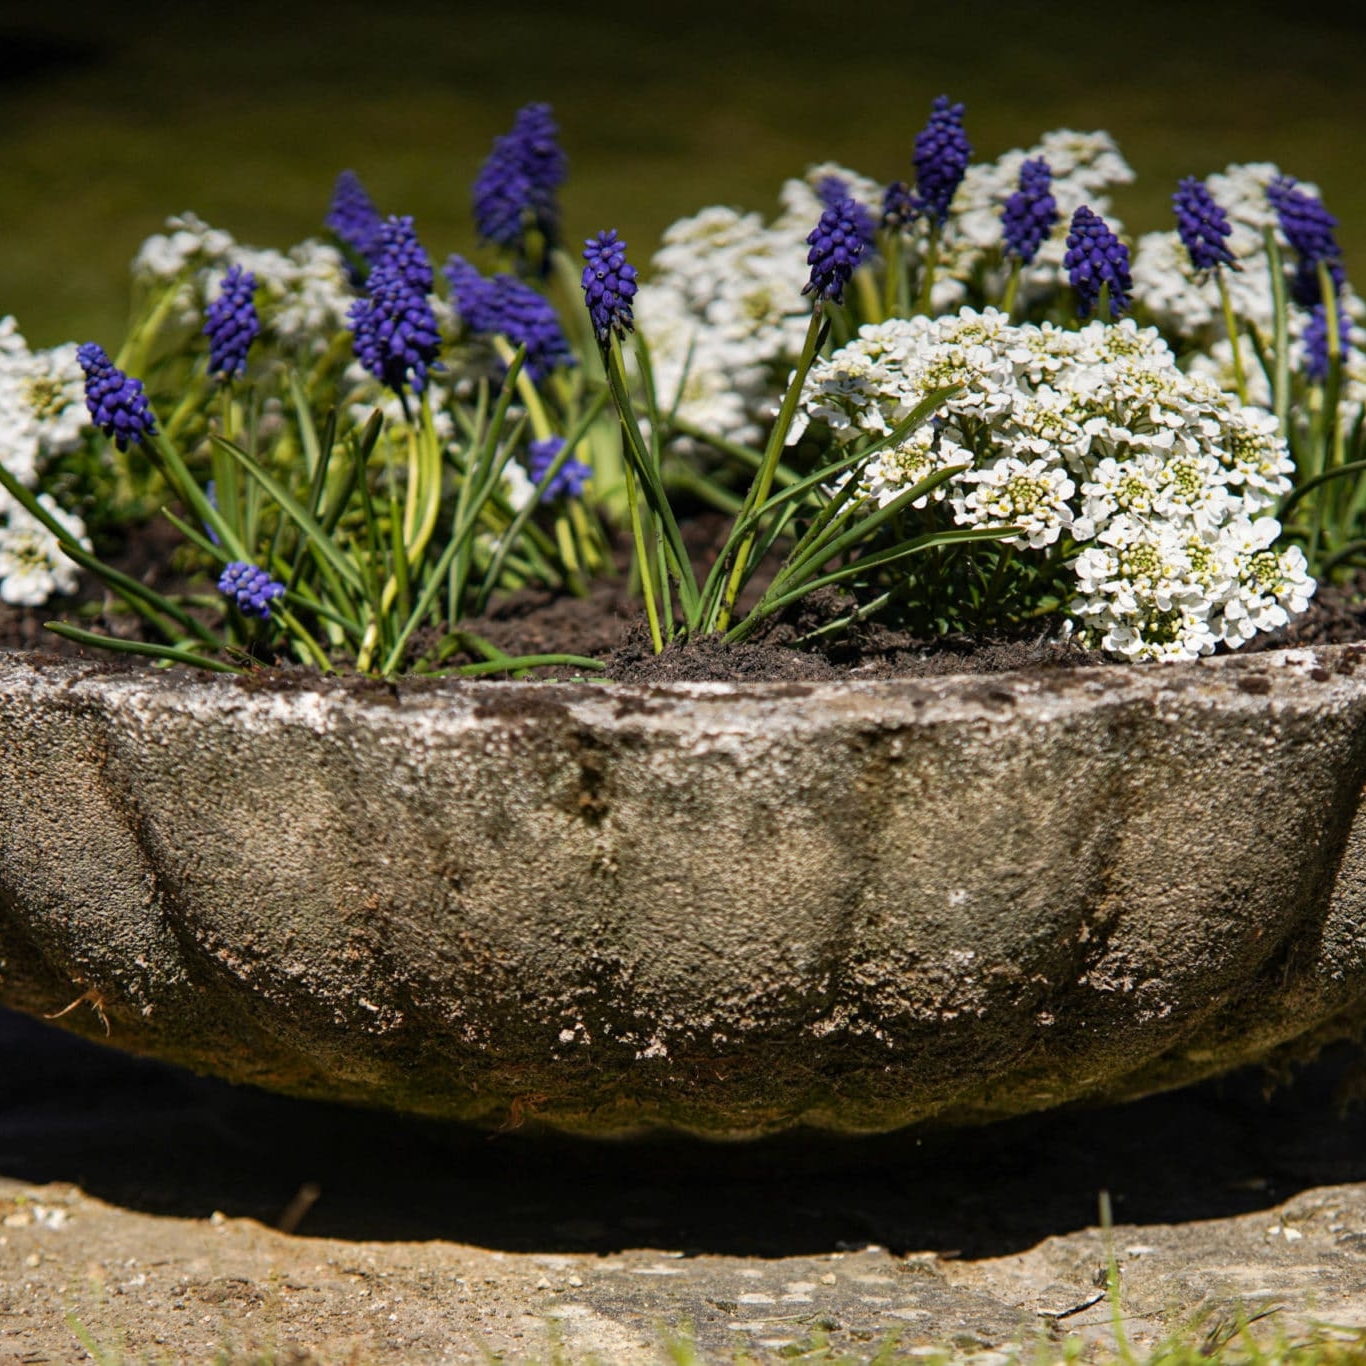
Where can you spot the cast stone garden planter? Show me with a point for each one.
(723, 908)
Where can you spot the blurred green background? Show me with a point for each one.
(114, 115)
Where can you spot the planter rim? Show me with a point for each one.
(1238, 672)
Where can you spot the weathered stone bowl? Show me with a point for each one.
(724, 908)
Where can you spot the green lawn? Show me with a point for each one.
(246, 114)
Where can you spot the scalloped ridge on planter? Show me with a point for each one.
(724, 908)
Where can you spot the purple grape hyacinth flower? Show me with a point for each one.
(1317, 362)
(1031, 213)
(117, 403)
(250, 587)
(396, 336)
(506, 305)
(231, 324)
(942, 153)
(609, 285)
(834, 190)
(1202, 224)
(1311, 231)
(569, 478)
(354, 217)
(516, 185)
(1096, 258)
(836, 244)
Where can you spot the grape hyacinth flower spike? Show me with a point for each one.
(1202, 225)
(836, 243)
(506, 306)
(1312, 231)
(569, 479)
(396, 336)
(832, 191)
(231, 324)
(1031, 213)
(354, 218)
(117, 403)
(609, 285)
(942, 153)
(1097, 260)
(250, 587)
(515, 188)
(1317, 360)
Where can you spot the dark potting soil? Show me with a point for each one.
(610, 625)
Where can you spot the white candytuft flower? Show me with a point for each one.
(724, 315)
(32, 564)
(303, 296)
(1148, 489)
(42, 405)
(723, 310)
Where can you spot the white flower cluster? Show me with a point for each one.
(303, 296)
(33, 565)
(1153, 487)
(42, 414)
(723, 311)
(42, 404)
(1085, 167)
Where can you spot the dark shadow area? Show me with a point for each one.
(30, 55)
(160, 1140)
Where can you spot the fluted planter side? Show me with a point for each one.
(723, 908)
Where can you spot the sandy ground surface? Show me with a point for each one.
(139, 1210)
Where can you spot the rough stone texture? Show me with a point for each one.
(726, 908)
(430, 1244)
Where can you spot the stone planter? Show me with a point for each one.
(721, 908)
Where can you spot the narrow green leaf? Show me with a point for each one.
(517, 663)
(308, 433)
(298, 514)
(191, 496)
(524, 514)
(170, 653)
(1309, 485)
(840, 538)
(767, 606)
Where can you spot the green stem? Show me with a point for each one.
(636, 453)
(1231, 327)
(927, 271)
(868, 296)
(1012, 289)
(647, 585)
(763, 483)
(894, 266)
(1281, 337)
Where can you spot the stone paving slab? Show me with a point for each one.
(153, 1285)
(136, 1205)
